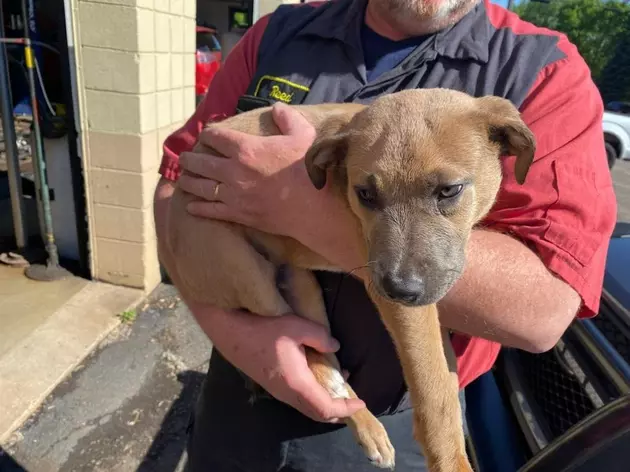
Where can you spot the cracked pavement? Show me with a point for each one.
(126, 407)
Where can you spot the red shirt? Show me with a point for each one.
(568, 228)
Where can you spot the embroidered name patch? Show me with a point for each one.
(281, 90)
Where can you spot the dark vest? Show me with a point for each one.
(313, 55)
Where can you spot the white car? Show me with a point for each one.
(617, 136)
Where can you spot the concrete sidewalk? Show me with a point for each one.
(125, 408)
(48, 328)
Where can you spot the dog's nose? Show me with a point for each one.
(405, 289)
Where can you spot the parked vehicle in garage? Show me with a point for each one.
(566, 410)
(617, 136)
(208, 59)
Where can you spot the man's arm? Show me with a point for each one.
(507, 295)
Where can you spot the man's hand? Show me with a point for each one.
(271, 352)
(261, 182)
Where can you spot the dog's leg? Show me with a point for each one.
(433, 387)
(306, 300)
(462, 462)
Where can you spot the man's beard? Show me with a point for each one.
(437, 13)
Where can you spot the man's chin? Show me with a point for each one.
(436, 14)
(449, 11)
(416, 17)
(439, 9)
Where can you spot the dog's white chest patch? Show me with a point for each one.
(337, 385)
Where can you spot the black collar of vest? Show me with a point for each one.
(468, 39)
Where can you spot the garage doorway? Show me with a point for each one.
(57, 106)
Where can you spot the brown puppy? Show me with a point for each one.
(418, 169)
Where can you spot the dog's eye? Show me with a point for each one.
(367, 197)
(450, 191)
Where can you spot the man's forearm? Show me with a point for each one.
(506, 294)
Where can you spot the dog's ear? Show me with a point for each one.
(329, 148)
(506, 128)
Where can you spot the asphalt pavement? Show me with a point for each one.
(621, 180)
(126, 408)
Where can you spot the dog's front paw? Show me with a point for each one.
(373, 438)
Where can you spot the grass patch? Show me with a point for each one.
(127, 316)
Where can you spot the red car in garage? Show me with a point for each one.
(208, 59)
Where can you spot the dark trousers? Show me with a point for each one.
(229, 434)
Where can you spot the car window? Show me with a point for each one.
(208, 40)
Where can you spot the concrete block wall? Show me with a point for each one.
(136, 79)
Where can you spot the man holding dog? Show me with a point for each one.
(536, 264)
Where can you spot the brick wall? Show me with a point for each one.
(136, 78)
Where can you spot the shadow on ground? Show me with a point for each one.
(8, 463)
(167, 449)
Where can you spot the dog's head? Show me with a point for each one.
(420, 169)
